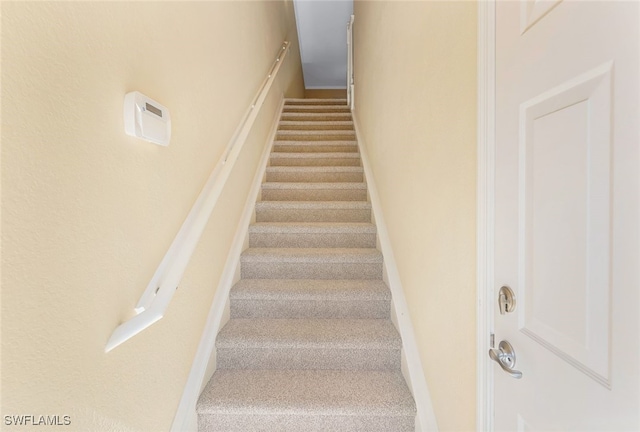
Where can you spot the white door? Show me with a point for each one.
(567, 217)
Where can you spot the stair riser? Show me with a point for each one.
(335, 136)
(316, 270)
(301, 161)
(314, 195)
(316, 117)
(307, 358)
(308, 423)
(313, 215)
(315, 148)
(315, 177)
(358, 309)
(312, 240)
(314, 101)
(315, 127)
(327, 109)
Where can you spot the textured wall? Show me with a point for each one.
(415, 87)
(88, 212)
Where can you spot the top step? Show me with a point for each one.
(315, 102)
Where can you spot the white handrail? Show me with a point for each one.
(349, 63)
(350, 79)
(156, 298)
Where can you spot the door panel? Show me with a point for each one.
(564, 254)
(567, 220)
(532, 11)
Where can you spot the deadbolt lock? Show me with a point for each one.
(506, 300)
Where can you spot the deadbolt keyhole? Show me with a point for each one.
(506, 300)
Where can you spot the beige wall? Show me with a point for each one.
(88, 212)
(415, 87)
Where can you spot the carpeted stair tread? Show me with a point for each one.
(309, 333)
(309, 298)
(315, 173)
(305, 289)
(315, 104)
(307, 392)
(313, 204)
(315, 101)
(315, 159)
(315, 146)
(311, 263)
(312, 343)
(329, 108)
(312, 191)
(315, 116)
(312, 235)
(313, 211)
(312, 255)
(316, 135)
(314, 185)
(298, 155)
(315, 125)
(315, 143)
(315, 169)
(306, 191)
(312, 227)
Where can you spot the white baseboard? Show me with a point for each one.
(185, 418)
(411, 363)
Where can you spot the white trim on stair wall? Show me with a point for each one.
(204, 362)
(485, 212)
(411, 363)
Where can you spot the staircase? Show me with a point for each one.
(310, 345)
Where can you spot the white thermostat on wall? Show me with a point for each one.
(146, 119)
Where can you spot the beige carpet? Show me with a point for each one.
(310, 346)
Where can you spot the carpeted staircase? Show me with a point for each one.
(310, 345)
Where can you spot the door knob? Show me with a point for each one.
(505, 356)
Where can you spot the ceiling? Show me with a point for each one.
(322, 32)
